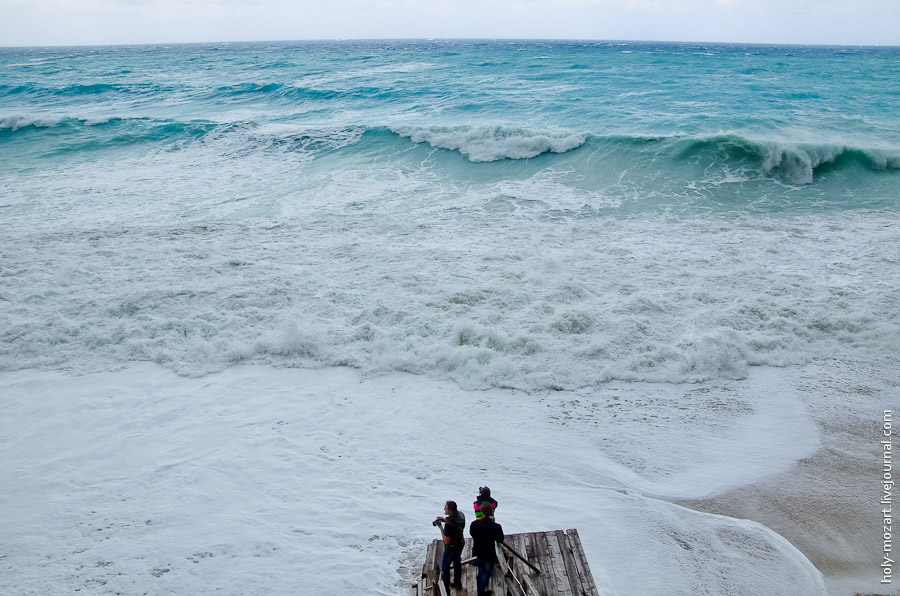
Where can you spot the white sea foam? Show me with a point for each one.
(491, 143)
(19, 121)
(265, 481)
(557, 303)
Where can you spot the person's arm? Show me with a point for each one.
(444, 535)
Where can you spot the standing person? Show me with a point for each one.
(452, 533)
(486, 533)
(484, 494)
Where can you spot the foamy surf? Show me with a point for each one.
(270, 481)
(639, 300)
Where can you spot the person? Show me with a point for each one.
(452, 533)
(484, 494)
(486, 533)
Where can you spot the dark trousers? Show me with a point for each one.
(483, 578)
(454, 556)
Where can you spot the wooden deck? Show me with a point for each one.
(559, 567)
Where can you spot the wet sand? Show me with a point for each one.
(827, 505)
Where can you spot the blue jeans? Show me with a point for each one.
(483, 578)
(453, 556)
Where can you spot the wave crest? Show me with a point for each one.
(791, 163)
(20, 122)
(493, 143)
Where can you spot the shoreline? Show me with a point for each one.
(825, 505)
(831, 532)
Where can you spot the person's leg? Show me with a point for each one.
(457, 564)
(485, 569)
(445, 567)
(488, 572)
(479, 577)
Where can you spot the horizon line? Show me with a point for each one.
(511, 39)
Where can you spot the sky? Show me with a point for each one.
(100, 22)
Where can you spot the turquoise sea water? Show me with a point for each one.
(511, 213)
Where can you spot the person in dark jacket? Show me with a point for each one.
(484, 494)
(452, 532)
(486, 533)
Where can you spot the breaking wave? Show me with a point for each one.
(492, 143)
(792, 163)
(727, 157)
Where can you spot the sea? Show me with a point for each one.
(501, 213)
(544, 218)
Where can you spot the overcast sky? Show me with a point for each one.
(80, 22)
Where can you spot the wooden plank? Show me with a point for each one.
(519, 544)
(428, 556)
(532, 580)
(539, 544)
(578, 578)
(535, 552)
(557, 565)
(521, 557)
(435, 572)
(469, 571)
(533, 590)
(510, 585)
(569, 561)
(581, 562)
(528, 546)
(501, 559)
(500, 582)
(427, 566)
(426, 583)
(516, 568)
(498, 585)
